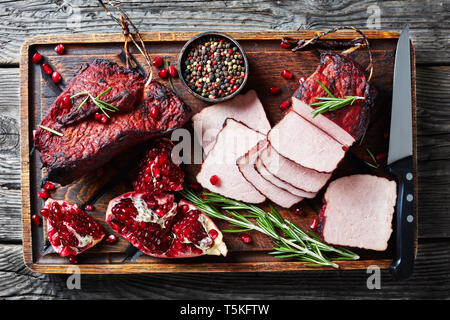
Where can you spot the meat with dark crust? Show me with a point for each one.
(343, 77)
(89, 144)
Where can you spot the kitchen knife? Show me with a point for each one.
(400, 160)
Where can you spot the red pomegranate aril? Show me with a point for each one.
(157, 62)
(163, 73)
(97, 116)
(44, 195)
(36, 219)
(112, 238)
(34, 134)
(59, 49)
(213, 234)
(66, 102)
(274, 90)
(314, 225)
(214, 180)
(89, 207)
(287, 74)
(73, 259)
(56, 77)
(49, 186)
(285, 45)
(285, 105)
(154, 112)
(36, 58)
(245, 238)
(301, 80)
(103, 119)
(47, 69)
(173, 71)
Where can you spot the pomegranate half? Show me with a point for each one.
(70, 230)
(160, 227)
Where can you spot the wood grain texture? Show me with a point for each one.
(431, 280)
(429, 23)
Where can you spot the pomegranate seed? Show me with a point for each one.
(196, 186)
(173, 72)
(314, 224)
(285, 105)
(213, 234)
(203, 196)
(214, 180)
(285, 45)
(157, 62)
(287, 74)
(163, 73)
(298, 211)
(301, 80)
(103, 119)
(89, 207)
(56, 77)
(36, 219)
(59, 49)
(112, 238)
(274, 90)
(49, 186)
(246, 238)
(66, 102)
(47, 69)
(344, 148)
(154, 112)
(36, 58)
(34, 134)
(97, 116)
(44, 195)
(73, 259)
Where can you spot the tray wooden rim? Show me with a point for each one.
(175, 268)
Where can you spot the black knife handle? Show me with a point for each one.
(402, 266)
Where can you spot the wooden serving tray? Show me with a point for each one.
(266, 60)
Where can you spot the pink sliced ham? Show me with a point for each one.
(233, 141)
(358, 212)
(259, 166)
(302, 142)
(246, 165)
(292, 173)
(244, 107)
(322, 122)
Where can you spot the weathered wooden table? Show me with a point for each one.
(430, 31)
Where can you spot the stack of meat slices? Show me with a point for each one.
(249, 161)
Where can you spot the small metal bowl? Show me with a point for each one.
(183, 56)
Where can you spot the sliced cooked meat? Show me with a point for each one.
(343, 77)
(246, 165)
(292, 173)
(358, 212)
(259, 166)
(244, 107)
(232, 142)
(302, 142)
(322, 122)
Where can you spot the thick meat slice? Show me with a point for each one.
(259, 166)
(89, 144)
(246, 165)
(291, 172)
(343, 77)
(232, 142)
(302, 142)
(244, 107)
(322, 122)
(358, 212)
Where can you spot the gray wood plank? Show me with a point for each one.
(430, 29)
(433, 90)
(431, 279)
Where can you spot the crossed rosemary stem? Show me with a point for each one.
(102, 105)
(331, 103)
(290, 240)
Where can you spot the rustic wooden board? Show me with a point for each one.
(266, 60)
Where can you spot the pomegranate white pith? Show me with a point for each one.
(160, 227)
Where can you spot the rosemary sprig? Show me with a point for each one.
(375, 164)
(331, 103)
(50, 130)
(290, 240)
(102, 105)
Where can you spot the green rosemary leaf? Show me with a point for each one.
(104, 92)
(83, 102)
(326, 89)
(79, 94)
(371, 165)
(236, 230)
(50, 130)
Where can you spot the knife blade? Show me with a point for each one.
(400, 160)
